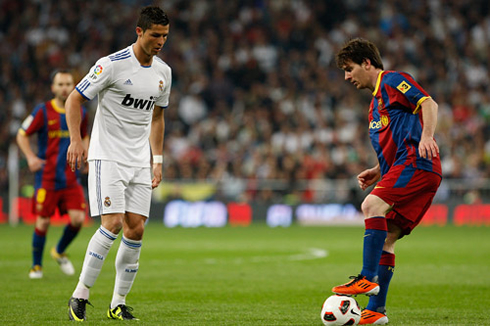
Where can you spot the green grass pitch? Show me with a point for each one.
(254, 276)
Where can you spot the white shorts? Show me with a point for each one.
(117, 188)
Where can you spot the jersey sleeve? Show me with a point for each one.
(35, 121)
(408, 92)
(98, 78)
(163, 100)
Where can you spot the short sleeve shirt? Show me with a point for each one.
(395, 122)
(127, 93)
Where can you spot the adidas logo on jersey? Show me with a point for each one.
(138, 103)
(128, 82)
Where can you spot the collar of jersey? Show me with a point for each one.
(136, 59)
(378, 81)
(56, 107)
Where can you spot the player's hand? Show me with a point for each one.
(76, 155)
(157, 175)
(368, 177)
(35, 163)
(428, 148)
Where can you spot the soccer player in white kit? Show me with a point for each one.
(133, 88)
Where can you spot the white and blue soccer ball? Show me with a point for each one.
(340, 310)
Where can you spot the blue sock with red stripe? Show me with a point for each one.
(385, 273)
(38, 242)
(374, 240)
(69, 233)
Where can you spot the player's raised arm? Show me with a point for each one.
(428, 147)
(156, 143)
(77, 152)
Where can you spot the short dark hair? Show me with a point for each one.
(357, 50)
(152, 15)
(58, 71)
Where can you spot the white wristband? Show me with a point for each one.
(158, 159)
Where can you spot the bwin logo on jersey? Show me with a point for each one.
(138, 103)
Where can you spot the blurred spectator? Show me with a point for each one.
(256, 95)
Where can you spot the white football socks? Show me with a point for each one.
(126, 268)
(97, 251)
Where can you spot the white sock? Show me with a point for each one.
(127, 264)
(97, 251)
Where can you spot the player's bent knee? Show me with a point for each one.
(42, 223)
(374, 206)
(368, 208)
(77, 217)
(135, 233)
(113, 226)
(113, 222)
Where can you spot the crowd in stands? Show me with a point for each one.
(256, 93)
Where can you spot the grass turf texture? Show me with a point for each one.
(254, 276)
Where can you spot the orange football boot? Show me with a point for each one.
(359, 285)
(369, 317)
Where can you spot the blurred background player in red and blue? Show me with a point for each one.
(56, 185)
(402, 121)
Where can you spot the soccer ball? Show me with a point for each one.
(341, 310)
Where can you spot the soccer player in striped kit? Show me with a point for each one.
(402, 121)
(133, 89)
(56, 185)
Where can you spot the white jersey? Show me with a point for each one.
(127, 93)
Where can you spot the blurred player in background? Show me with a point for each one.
(133, 88)
(402, 121)
(56, 185)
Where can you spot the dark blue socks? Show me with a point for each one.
(374, 239)
(385, 272)
(69, 234)
(38, 241)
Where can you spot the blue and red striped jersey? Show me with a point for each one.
(53, 138)
(395, 122)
